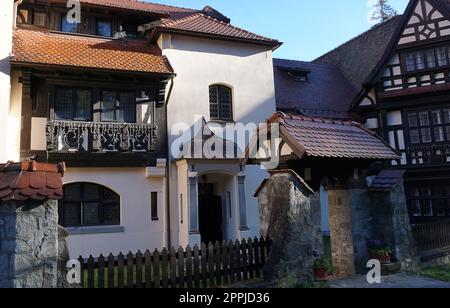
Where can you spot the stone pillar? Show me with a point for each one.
(392, 224)
(242, 203)
(290, 216)
(341, 233)
(29, 244)
(362, 227)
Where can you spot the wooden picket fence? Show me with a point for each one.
(432, 236)
(207, 266)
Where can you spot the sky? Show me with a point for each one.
(308, 28)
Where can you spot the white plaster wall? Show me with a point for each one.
(38, 137)
(6, 24)
(14, 118)
(199, 63)
(247, 69)
(135, 189)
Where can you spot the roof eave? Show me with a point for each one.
(23, 64)
(274, 44)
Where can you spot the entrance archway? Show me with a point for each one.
(216, 194)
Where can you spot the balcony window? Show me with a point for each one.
(104, 27)
(86, 204)
(118, 106)
(73, 104)
(66, 26)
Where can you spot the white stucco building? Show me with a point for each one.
(212, 199)
(105, 95)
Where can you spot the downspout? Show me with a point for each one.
(16, 6)
(169, 235)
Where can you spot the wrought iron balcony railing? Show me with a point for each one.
(429, 155)
(76, 137)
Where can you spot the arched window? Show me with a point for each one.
(86, 204)
(220, 103)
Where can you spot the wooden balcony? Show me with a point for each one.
(100, 137)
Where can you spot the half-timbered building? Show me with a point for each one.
(395, 79)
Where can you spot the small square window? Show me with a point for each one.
(439, 134)
(426, 135)
(424, 119)
(447, 116)
(412, 119)
(436, 117)
(39, 19)
(431, 60)
(104, 28)
(415, 136)
(66, 26)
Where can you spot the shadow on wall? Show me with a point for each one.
(5, 67)
(200, 45)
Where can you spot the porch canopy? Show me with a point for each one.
(328, 147)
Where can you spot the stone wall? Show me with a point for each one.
(362, 226)
(29, 245)
(290, 216)
(392, 224)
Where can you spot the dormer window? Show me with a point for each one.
(299, 76)
(297, 73)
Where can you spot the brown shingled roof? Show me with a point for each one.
(201, 24)
(42, 47)
(138, 6)
(359, 57)
(317, 137)
(327, 93)
(31, 181)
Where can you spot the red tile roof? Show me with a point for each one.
(202, 24)
(333, 139)
(42, 47)
(139, 6)
(31, 181)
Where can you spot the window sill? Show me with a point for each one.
(95, 230)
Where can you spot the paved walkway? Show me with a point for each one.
(397, 281)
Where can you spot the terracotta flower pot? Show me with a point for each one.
(321, 274)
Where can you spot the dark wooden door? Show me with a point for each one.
(211, 218)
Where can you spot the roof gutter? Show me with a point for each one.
(16, 6)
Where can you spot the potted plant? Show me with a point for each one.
(380, 250)
(321, 267)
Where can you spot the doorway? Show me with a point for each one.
(210, 214)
